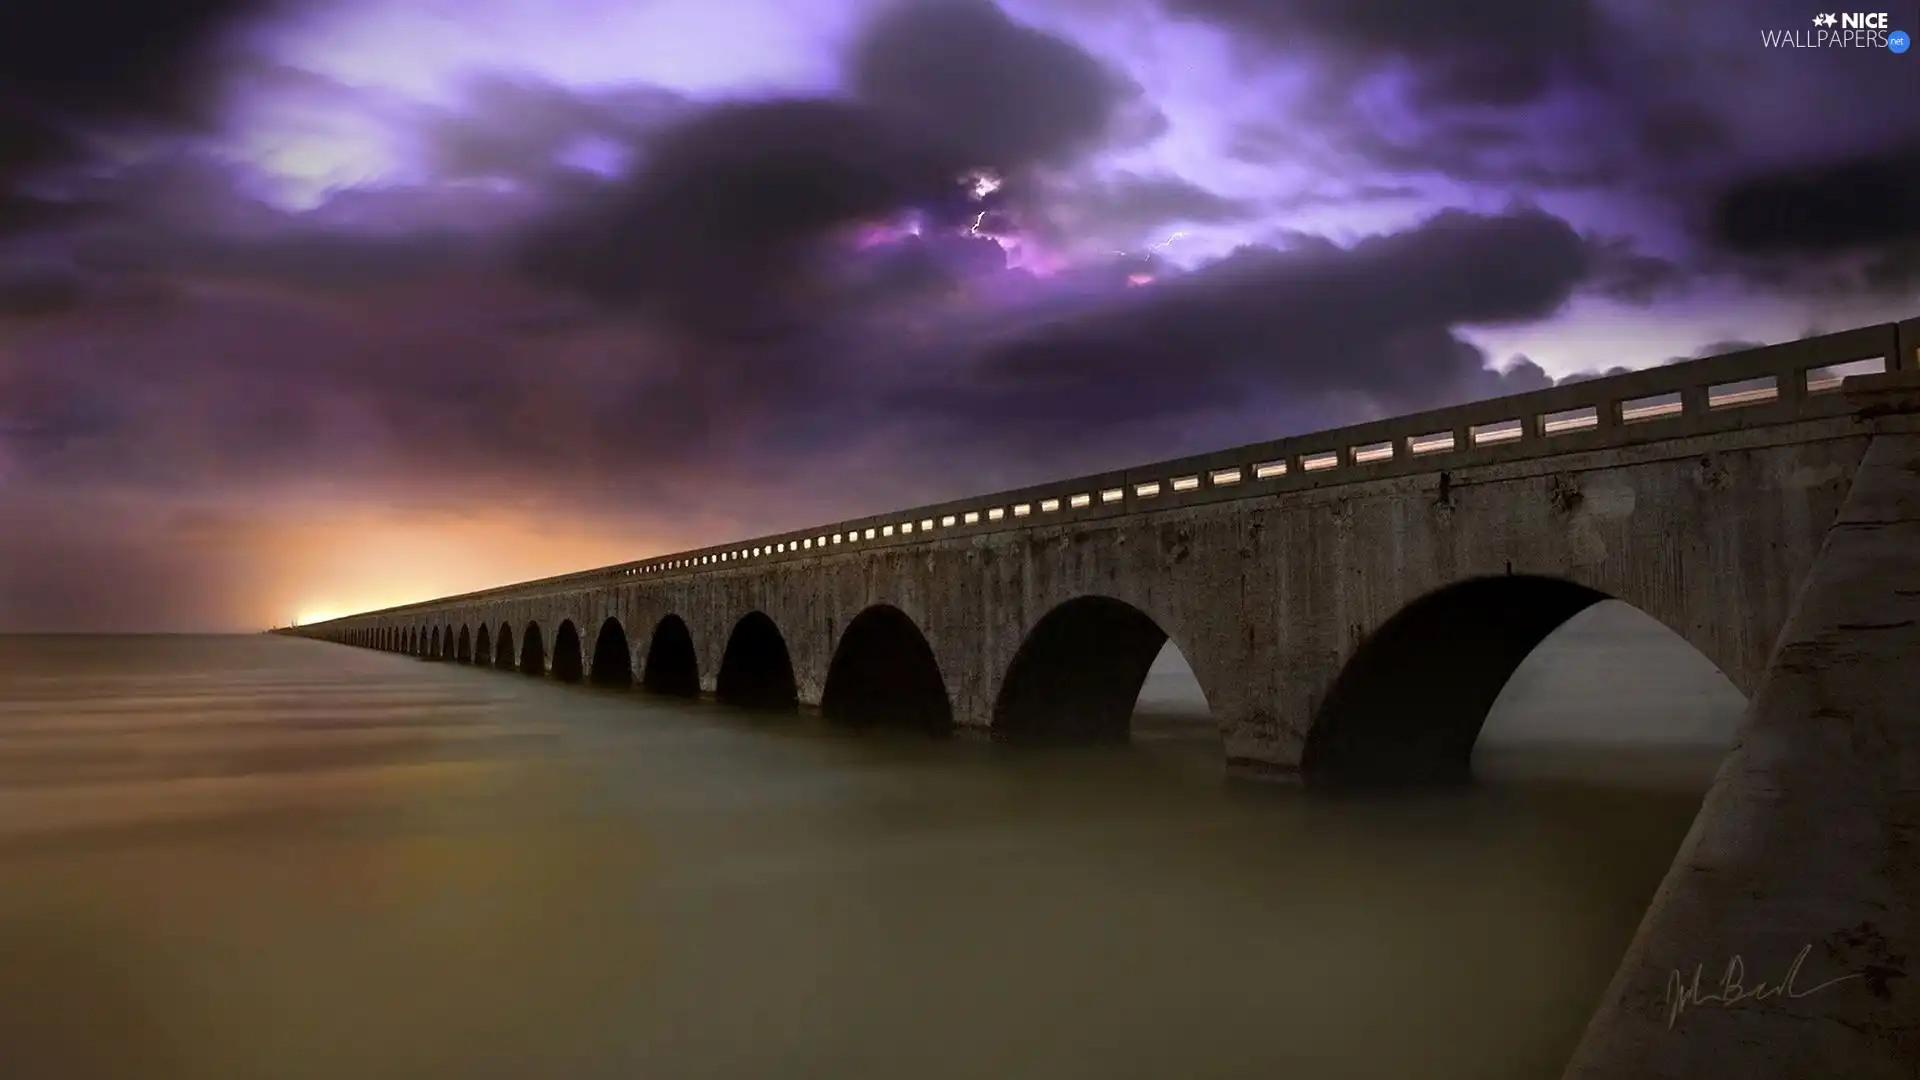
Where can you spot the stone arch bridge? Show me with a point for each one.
(1351, 601)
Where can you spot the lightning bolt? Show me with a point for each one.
(1161, 246)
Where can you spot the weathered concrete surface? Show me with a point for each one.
(1809, 840)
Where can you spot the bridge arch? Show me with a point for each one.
(463, 647)
(884, 673)
(612, 664)
(533, 651)
(505, 657)
(1409, 704)
(483, 646)
(672, 666)
(566, 652)
(756, 671)
(1078, 674)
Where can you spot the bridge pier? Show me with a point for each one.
(1782, 941)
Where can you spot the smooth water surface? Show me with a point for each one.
(262, 857)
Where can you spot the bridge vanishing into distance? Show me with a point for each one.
(1352, 602)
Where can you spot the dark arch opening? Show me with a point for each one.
(672, 667)
(756, 671)
(612, 662)
(406, 644)
(533, 651)
(433, 644)
(463, 649)
(420, 643)
(504, 657)
(884, 674)
(566, 652)
(1409, 704)
(1078, 674)
(483, 646)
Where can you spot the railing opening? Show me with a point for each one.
(1822, 379)
(1497, 432)
(1267, 470)
(1585, 418)
(1326, 459)
(1435, 443)
(1380, 451)
(1745, 392)
(1651, 407)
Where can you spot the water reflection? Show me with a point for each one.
(261, 857)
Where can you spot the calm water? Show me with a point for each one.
(259, 857)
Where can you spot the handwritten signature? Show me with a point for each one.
(1731, 990)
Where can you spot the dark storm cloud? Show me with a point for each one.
(1358, 330)
(1843, 204)
(76, 66)
(724, 211)
(1842, 223)
(1001, 94)
(435, 381)
(1486, 52)
(719, 226)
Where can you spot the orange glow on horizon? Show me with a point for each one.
(365, 559)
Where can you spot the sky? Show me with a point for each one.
(314, 307)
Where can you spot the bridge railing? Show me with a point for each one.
(1757, 387)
